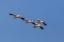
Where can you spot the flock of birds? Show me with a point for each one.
(38, 24)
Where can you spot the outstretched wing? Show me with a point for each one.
(12, 14)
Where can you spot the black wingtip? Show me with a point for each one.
(23, 18)
(42, 28)
(33, 23)
(45, 24)
(10, 14)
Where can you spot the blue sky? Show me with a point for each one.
(16, 30)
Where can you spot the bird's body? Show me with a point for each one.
(41, 21)
(29, 21)
(16, 16)
(38, 25)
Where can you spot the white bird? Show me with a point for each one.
(29, 21)
(38, 25)
(41, 21)
(16, 16)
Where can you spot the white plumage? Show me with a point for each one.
(29, 21)
(41, 21)
(16, 16)
(38, 24)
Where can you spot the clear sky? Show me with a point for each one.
(16, 30)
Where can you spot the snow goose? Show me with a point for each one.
(41, 21)
(16, 16)
(38, 25)
(29, 21)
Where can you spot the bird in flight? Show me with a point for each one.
(38, 25)
(17, 16)
(29, 21)
(41, 21)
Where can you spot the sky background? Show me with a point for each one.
(16, 30)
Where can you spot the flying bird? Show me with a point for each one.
(41, 21)
(29, 21)
(38, 25)
(16, 16)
